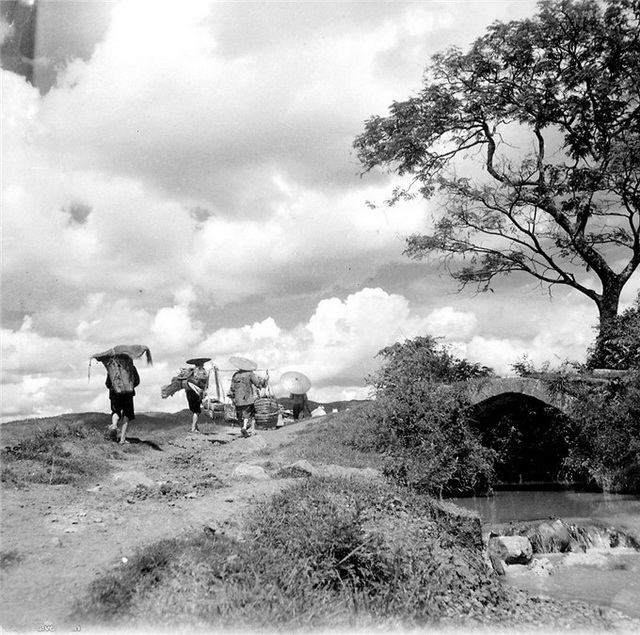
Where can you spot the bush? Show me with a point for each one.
(429, 443)
(602, 425)
(324, 553)
(421, 424)
(605, 440)
(628, 479)
(619, 347)
(421, 360)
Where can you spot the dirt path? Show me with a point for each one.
(66, 536)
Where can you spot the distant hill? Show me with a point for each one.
(328, 406)
(14, 431)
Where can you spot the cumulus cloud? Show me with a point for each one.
(336, 347)
(452, 324)
(188, 183)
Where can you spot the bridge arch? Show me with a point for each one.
(525, 424)
(479, 390)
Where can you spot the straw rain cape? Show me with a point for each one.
(130, 350)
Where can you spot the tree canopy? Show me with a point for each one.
(531, 140)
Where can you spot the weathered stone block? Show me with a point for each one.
(511, 549)
(254, 472)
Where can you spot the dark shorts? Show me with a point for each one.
(122, 405)
(194, 400)
(249, 409)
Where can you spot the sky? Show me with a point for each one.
(180, 174)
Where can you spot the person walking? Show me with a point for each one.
(298, 385)
(122, 380)
(195, 387)
(300, 405)
(121, 400)
(243, 392)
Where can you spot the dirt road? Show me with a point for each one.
(65, 536)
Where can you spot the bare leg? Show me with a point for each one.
(115, 417)
(123, 433)
(253, 426)
(194, 422)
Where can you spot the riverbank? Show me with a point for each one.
(57, 540)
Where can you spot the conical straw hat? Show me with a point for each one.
(295, 382)
(242, 363)
(198, 361)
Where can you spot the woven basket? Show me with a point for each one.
(266, 412)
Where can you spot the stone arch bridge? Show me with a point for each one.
(485, 388)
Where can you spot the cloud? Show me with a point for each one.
(200, 100)
(336, 347)
(553, 334)
(174, 328)
(452, 324)
(189, 184)
(129, 243)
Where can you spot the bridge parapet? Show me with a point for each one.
(482, 389)
(535, 386)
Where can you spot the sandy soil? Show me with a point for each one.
(68, 535)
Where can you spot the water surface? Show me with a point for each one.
(610, 578)
(506, 506)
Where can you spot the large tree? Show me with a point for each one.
(531, 141)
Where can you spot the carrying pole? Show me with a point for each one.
(217, 380)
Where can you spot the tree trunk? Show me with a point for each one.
(608, 305)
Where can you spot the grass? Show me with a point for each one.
(322, 554)
(345, 438)
(46, 456)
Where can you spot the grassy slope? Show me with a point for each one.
(69, 448)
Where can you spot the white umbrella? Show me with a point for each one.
(242, 363)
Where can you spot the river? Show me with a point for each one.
(607, 577)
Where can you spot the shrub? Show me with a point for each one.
(619, 347)
(324, 553)
(602, 425)
(429, 442)
(419, 360)
(605, 439)
(420, 421)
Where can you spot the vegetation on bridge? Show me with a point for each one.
(436, 438)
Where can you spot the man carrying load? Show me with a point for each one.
(195, 387)
(195, 382)
(243, 392)
(122, 380)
